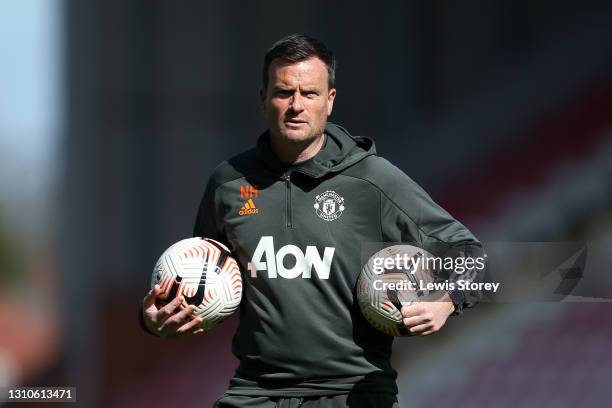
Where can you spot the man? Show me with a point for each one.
(319, 194)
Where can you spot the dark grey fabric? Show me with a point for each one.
(301, 332)
(353, 400)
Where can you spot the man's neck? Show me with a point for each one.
(296, 152)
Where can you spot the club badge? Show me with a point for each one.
(329, 205)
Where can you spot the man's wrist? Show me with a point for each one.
(456, 297)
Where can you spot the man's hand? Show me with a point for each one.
(166, 321)
(424, 318)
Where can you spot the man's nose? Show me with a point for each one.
(296, 102)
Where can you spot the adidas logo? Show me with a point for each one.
(249, 208)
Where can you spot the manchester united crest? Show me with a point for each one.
(329, 205)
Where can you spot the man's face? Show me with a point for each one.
(297, 101)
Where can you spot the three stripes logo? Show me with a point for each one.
(249, 208)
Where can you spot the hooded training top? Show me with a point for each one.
(297, 232)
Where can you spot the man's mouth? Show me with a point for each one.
(295, 122)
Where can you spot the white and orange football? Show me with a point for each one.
(204, 272)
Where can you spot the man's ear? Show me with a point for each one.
(330, 100)
(263, 94)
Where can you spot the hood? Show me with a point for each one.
(341, 150)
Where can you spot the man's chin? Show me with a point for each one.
(296, 136)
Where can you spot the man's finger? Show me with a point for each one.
(177, 319)
(415, 321)
(411, 310)
(149, 300)
(192, 326)
(185, 315)
(168, 310)
(420, 329)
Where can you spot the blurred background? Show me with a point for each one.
(114, 113)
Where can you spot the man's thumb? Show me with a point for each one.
(149, 300)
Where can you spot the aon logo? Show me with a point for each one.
(265, 259)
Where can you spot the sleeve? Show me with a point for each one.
(209, 220)
(408, 214)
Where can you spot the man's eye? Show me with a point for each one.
(311, 94)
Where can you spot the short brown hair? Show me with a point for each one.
(299, 47)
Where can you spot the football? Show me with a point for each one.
(204, 272)
(390, 279)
